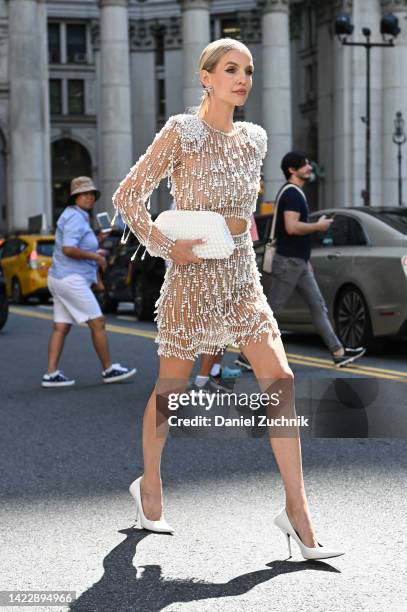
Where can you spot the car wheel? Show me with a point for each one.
(3, 310)
(352, 319)
(144, 298)
(16, 293)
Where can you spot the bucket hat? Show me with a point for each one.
(81, 184)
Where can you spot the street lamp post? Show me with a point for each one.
(344, 28)
(399, 138)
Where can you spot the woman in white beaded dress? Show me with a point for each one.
(207, 304)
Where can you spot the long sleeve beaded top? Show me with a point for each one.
(207, 169)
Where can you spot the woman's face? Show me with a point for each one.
(85, 200)
(232, 77)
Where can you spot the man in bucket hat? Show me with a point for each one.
(73, 271)
(82, 184)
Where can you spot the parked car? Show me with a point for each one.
(137, 281)
(3, 300)
(361, 268)
(25, 259)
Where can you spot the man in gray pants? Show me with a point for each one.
(291, 267)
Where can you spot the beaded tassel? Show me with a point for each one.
(202, 307)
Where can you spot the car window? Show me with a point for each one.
(45, 248)
(13, 247)
(395, 218)
(344, 231)
(357, 233)
(5, 249)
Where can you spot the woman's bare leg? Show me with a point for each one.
(176, 371)
(269, 362)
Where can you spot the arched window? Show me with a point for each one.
(69, 159)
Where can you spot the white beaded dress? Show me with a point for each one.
(205, 307)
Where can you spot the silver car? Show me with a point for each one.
(361, 268)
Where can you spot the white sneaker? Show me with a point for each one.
(57, 379)
(116, 372)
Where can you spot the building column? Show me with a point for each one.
(335, 127)
(394, 99)
(142, 62)
(195, 37)
(115, 104)
(29, 112)
(276, 90)
(95, 42)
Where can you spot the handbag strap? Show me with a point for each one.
(279, 194)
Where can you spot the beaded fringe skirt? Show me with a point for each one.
(204, 308)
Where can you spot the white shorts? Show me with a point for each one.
(74, 301)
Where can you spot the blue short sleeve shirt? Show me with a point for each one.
(74, 230)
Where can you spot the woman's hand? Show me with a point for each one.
(181, 253)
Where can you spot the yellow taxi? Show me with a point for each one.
(25, 260)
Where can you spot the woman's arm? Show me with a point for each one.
(158, 161)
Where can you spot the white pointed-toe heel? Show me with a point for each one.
(283, 522)
(160, 526)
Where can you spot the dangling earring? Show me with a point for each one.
(208, 89)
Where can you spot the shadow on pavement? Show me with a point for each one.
(120, 589)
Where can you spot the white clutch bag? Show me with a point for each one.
(193, 224)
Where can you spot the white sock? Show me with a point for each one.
(201, 380)
(215, 369)
(52, 373)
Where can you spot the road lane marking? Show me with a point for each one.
(355, 367)
(304, 360)
(30, 313)
(351, 370)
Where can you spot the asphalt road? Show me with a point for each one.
(68, 456)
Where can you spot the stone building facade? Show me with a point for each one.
(86, 84)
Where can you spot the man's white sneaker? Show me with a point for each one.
(57, 379)
(349, 356)
(116, 373)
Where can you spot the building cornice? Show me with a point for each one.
(393, 6)
(173, 33)
(142, 34)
